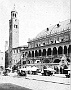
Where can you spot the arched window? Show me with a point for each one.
(69, 49)
(32, 53)
(29, 55)
(54, 51)
(40, 53)
(15, 15)
(16, 26)
(49, 51)
(65, 49)
(36, 53)
(60, 50)
(44, 52)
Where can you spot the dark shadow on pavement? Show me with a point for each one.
(8, 86)
(49, 81)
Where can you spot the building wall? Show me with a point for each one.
(6, 59)
(16, 56)
(15, 33)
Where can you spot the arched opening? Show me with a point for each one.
(36, 53)
(54, 51)
(40, 53)
(32, 53)
(49, 51)
(69, 49)
(60, 50)
(44, 52)
(65, 49)
(29, 54)
(56, 61)
(15, 15)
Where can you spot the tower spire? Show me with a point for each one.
(14, 7)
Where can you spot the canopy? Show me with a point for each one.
(34, 68)
(28, 68)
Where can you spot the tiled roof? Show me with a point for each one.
(61, 26)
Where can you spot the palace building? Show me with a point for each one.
(47, 47)
(50, 45)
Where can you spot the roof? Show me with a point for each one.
(61, 26)
(19, 47)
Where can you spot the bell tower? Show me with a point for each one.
(13, 33)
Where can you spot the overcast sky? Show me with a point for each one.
(34, 16)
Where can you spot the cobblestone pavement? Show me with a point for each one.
(36, 82)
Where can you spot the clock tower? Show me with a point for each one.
(13, 33)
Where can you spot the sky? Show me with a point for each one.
(34, 16)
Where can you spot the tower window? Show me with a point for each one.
(16, 26)
(15, 15)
